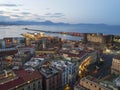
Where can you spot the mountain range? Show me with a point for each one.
(52, 23)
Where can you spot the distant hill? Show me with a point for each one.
(53, 23)
(32, 23)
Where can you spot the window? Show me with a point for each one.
(34, 88)
(39, 85)
(29, 87)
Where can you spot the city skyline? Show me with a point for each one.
(72, 11)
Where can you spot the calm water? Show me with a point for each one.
(15, 31)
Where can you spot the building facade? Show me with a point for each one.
(98, 38)
(68, 70)
(89, 83)
(51, 78)
(115, 68)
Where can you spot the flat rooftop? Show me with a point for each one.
(48, 71)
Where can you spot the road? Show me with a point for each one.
(105, 68)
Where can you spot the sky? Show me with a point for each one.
(68, 11)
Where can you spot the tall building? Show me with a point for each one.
(68, 71)
(51, 78)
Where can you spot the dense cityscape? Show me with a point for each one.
(59, 44)
(38, 61)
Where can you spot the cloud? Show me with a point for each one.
(58, 14)
(54, 15)
(48, 14)
(47, 8)
(18, 16)
(16, 10)
(25, 13)
(1, 12)
(4, 18)
(39, 19)
(10, 5)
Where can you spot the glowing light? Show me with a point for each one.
(28, 81)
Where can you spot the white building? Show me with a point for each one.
(68, 70)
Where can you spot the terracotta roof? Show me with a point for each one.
(11, 84)
(28, 75)
(75, 55)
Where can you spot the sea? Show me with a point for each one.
(17, 30)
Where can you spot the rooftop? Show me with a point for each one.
(61, 65)
(6, 76)
(80, 54)
(48, 72)
(11, 84)
(28, 75)
(34, 62)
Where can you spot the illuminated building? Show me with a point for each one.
(85, 61)
(32, 36)
(13, 41)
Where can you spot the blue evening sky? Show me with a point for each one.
(70, 11)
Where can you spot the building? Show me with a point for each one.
(98, 38)
(68, 70)
(48, 42)
(38, 52)
(9, 80)
(116, 38)
(34, 62)
(22, 50)
(51, 78)
(85, 61)
(13, 41)
(90, 83)
(2, 43)
(8, 51)
(32, 79)
(32, 37)
(115, 68)
(20, 80)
